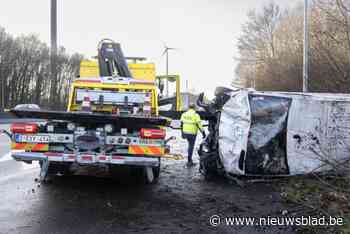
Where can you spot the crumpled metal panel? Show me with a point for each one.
(233, 132)
(318, 131)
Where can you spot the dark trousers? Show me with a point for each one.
(191, 139)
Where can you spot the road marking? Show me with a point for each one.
(6, 157)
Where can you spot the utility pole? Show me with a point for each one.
(306, 49)
(167, 72)
(53, 39)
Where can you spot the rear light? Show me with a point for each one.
(86, 105)
(147, 109)
(24, 128)
(115, 111)
(147, 97)
(152, 133)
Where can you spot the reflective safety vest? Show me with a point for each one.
(191, 122)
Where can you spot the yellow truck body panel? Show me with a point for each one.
(143, 71)
(139, 71)
(89, 69)
(152, 88)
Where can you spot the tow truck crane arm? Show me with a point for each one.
(111, 59)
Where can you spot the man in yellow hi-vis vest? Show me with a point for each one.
(190, 124)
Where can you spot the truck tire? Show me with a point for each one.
(156, 171)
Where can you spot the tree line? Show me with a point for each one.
(25, 72)
(271, 48)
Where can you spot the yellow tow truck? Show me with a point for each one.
(112, 120)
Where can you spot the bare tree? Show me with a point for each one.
(271, 48)
(26, 72)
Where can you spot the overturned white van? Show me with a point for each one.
(271, 133)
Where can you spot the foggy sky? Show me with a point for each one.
(205, 31)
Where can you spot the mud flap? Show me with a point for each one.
(149, 175)
(44, 170)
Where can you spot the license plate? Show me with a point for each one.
(33, 138)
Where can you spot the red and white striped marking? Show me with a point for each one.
(85, 158)
(69, 158)
(103, 159)
(117, 159)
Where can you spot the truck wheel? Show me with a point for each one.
(156, 170)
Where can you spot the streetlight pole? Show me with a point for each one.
(53, 39)
(306, 49)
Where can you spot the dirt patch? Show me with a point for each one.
(181, 202)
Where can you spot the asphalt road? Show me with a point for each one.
(181, 202)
